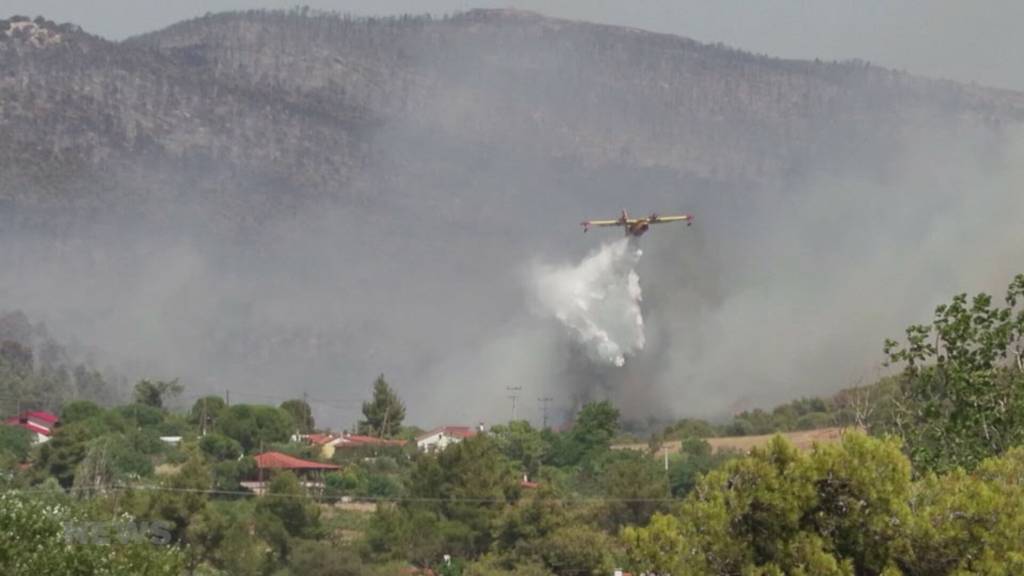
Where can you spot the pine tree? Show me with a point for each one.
(384, 414)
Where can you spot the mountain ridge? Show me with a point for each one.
(224, 86)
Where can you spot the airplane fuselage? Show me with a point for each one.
(637, 228)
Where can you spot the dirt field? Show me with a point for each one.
(364, 507)
(804, 440)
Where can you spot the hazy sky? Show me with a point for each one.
(967, 41)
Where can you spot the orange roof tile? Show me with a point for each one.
(277, 460)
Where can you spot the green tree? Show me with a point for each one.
(60, 457)
(252, 425)
(219, 447)
(656, 548)
(15, 442)
(79, 410)
(523, 526)
(862, 489)
(154, 393)
(220, 536)
(494, 566)
(301, 414)
(111, 459)
(578, 549)
(969, 523)
(138, 416)
(636, 487)
(841, 510)
(313, 558)
(182, 497)
(206, 411)
(521, 443)
(289, 502)
(690, 427)
(695, 459)
(591, 434)
(384, 414)
(467, 486)
(963, 381)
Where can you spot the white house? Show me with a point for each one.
(441, 438)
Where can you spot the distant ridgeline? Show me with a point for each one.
(869, 406)
(255, 112)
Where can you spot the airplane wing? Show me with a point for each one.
(588, 223)
(680, 218)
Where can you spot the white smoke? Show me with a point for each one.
(597, 301)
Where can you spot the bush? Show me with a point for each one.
(15, 442)
(79, 410)
(383, 486)
(219, 447)
(32, 542)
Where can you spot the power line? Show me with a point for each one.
(374, 499)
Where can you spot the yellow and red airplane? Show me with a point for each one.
(637, 226)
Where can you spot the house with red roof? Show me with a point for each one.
(329, 443)
(318, 439)
(310, 472)
(40, 423)
(441, 438)
(282, 461)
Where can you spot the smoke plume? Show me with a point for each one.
(597, 301)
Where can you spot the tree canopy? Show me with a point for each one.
(155, 392)
(384, 413)
(301, 413)
(963, 382)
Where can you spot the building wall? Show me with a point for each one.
(438, 441)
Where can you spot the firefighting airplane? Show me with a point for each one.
(637, 226)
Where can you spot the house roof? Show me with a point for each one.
(352, 440)
(28, 425)
(42, 416)
(320, 439)
(37, 422)
(277, 460)
(461, 432)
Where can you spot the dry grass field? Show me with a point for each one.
(803, 440)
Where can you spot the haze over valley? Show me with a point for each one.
(279, 202)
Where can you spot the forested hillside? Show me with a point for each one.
(267, 104)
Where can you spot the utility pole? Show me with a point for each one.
(513, 396)
(227, 398)
(668, 477)
(305, 400)
(262, 488)
(544, 411)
